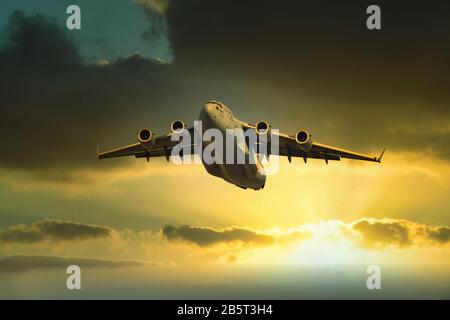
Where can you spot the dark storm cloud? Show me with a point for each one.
(306, 65)
(55, 109)
(318, 66)
(322, 36)
(204, 236)
(319, 38)
(22, 263)
(53, 230)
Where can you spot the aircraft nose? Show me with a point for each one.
(209, 108)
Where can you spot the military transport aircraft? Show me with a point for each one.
(215, 115)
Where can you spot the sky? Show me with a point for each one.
(159, 230)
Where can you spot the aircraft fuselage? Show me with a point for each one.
(215, 115)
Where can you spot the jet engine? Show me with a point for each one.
(177, 126)
(146, 138)
(263, 133)
(262, 127)
(304, 141)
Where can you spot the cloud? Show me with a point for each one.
(22, 263)
(367, 232)
(440, 234)
(159, 6)
(370, 233)
(204, 236)
(73, 106)
(57, 109)
(53, 230)
(285, 54)
(377, 233)
(381, 233)
(156, 31)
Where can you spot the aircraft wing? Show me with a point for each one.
(162, 147)
(129, 150)
(289, 147)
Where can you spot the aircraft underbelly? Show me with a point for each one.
(244, 175)
(237, 174)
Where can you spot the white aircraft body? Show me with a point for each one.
(250, 174)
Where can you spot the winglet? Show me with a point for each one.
(381, 156)
(98, 154)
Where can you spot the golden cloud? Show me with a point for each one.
(378, 233)
(368, 233)
(53, 230)
(204, 236)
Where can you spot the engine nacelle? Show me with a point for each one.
(177, 126)
(262, 127)
(146, 138)
(304, 140)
